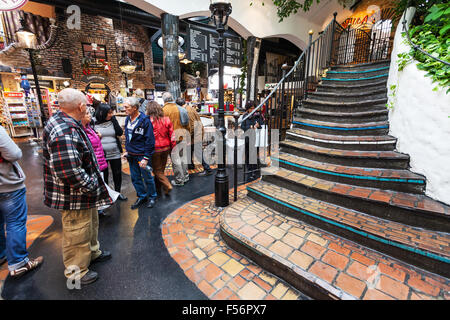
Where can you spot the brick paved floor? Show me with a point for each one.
(343, 268)
(191, 235)
(36, 225)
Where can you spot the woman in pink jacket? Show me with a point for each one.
(96, 145)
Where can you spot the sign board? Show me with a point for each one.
(43, 84)
(94, 78)
(203, 46)
(9, 5)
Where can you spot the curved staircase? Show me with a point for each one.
(341, 216)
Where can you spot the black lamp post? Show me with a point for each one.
(235, 77)
(27, 40)
(220, 11)
(127, 66)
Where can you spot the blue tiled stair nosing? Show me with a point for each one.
(349, 175)
(363, 71)
(367, 78)
(359, 232)
(342, 129)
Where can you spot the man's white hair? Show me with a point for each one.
(139, 93)
(69, 99)
(167, 97)
(132, 101)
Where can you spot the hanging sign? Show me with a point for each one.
(9, 5)
(203, 46)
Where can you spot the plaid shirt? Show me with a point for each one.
(72, 179)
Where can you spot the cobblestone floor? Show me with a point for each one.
(191, 235)
(36, 225)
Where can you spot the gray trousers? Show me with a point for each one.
(179, 158)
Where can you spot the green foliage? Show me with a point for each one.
(286, 8)
(433, 37)
(393, 92)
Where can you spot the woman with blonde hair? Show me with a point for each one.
(164, 143)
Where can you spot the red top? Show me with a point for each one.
(163, 132)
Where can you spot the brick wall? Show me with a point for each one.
(94, 29)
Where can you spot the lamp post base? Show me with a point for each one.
(221, 189)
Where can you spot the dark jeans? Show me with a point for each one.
(13, 214)
(142, 180)
(116, 169)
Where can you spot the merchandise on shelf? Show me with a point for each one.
(15, 101)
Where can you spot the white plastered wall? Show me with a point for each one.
(420, 119)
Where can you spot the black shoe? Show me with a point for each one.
(122, 197)
(151, 203)
(106, 255)
(191, 167)
(139, 202)
(205, 173)
(89, 277)
(2, 260)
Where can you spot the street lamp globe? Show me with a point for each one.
(27, 39)
(220, 11)
(127, 65)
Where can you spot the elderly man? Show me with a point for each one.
(142, 101)
(196, 131)
(73, 185)
(179, 160)
(140, 145)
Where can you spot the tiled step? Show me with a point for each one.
(411, 209)
(372, 94)
(361, 66)
(368, 159)
(342, 129)
(319, 264)
(388, 179)
(352, 74)
(423, 248)
(349, 117)
(374, 143)
(359, 80)
(353, 88)
(356, 106)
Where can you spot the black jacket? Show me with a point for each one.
(255, 118)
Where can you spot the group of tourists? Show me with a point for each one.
(79, 148)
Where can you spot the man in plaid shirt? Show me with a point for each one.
(73, 185)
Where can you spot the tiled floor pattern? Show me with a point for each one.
(36, 225)
(344, 268)
(191, 235)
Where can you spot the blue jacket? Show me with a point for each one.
(142, 143)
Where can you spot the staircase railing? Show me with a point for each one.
(334, 45)
(415, 46)
(277, 107)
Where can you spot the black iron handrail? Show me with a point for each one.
(415, 46)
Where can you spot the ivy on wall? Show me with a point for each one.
(433, 37)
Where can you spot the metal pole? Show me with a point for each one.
(38, 88)
(332, 37)
(236, 119)
(221, 181)
(307, 65)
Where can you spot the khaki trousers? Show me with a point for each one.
(159, 161)
(80, 240)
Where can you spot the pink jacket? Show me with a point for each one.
(97, 146)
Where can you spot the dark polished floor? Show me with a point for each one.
(141, 267)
